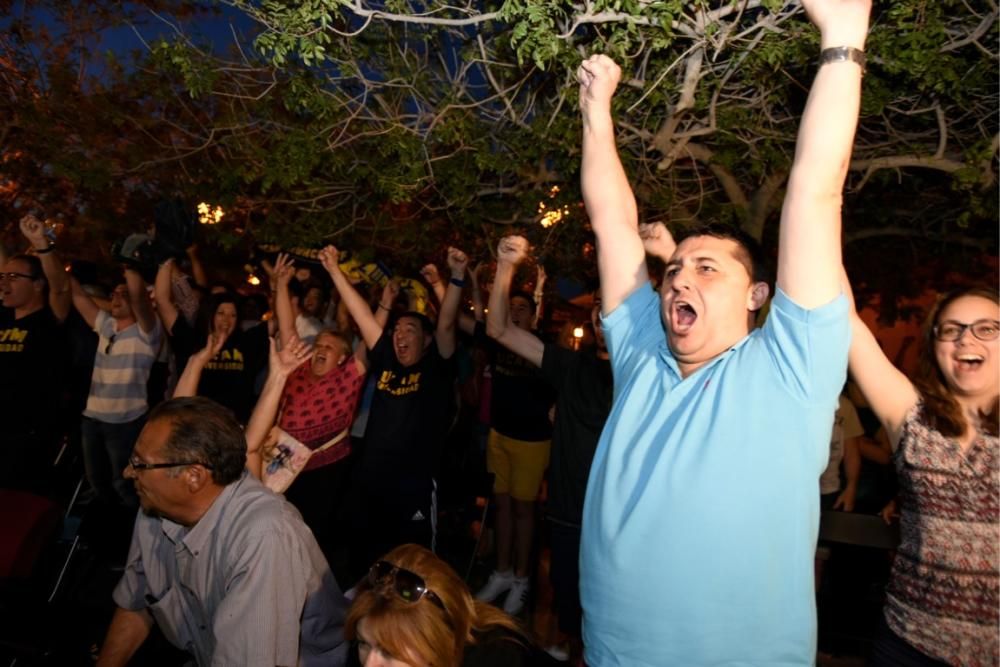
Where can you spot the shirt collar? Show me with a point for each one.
(196, 537)
(668, 358)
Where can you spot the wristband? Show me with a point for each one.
(842, 54)
(47, 249)
(457, 282)
(385, 308)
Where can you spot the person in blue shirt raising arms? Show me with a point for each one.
(702, 510)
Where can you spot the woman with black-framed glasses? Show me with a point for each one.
(413, 610)
(943, 598)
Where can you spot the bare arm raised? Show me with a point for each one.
(139, 300)
(610, 203)
(444, 333)
(809, 257)
(889, 393)
(163, 293)
(356, 304)
(511, 251)
(60, 300)
(284, 269)
(281, 364)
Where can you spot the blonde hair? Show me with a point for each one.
(422, 631)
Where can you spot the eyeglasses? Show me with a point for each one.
(410, 586)
(14, 275)
(950, 330)
(139, 465)
(111, 341)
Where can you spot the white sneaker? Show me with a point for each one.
(517, 596)
(498, 583)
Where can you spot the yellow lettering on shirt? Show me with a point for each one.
(13, 335)
(225, 365)
(407, 384)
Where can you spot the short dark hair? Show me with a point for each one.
(34, 266)
(425, 322)
(521, 294)
(750, 254)
(204, 431)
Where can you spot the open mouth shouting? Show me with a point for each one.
(968, 362)
(682, 316)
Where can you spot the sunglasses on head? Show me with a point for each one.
(410, 586)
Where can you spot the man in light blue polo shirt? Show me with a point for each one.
(702, 511)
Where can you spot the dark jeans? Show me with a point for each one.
(388, 512)
(106, 448)
(319, 496)
(891, 650)
(564, 573)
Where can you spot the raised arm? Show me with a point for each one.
(444, 334)
(139, 300)
(389, 295)
(478, 310)
(60, 299)
(284, 270)
(432, 276)
(281, 364)
(889, 393)
(465, 323)
(197, 268)
(657, 240)
(540, 278)
(809, 257)
(356, 304)
(187, 383)
(163, 292)
(83, 303)
(511, 252)
(610, 203)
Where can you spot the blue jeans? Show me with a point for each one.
(106, 449)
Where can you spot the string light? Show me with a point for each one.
(553, 216)
(209, 216)
(253, 280)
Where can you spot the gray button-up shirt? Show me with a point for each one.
(247, 585)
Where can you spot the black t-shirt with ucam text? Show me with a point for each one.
(33, 363)
(410, 414)
(229, 377)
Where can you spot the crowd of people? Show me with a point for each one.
(684, 457)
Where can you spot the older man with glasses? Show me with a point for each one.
(225, 568)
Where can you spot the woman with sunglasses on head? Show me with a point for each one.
(413, 610)
(943, 599)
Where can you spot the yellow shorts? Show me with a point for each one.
(518, 465)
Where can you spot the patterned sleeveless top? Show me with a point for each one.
(944, 593)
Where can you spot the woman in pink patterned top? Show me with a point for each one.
(943, 599)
